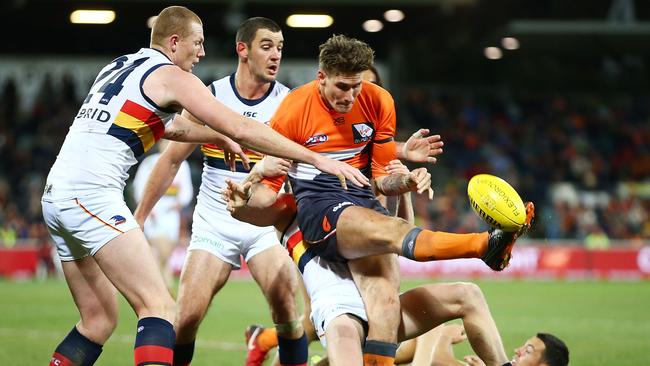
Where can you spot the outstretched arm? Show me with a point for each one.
(404, 203)
(161, 177)
(418, 180)
(420, 148)
(178, 87)
(259, 205)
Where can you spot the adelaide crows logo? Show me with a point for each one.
(118, 219)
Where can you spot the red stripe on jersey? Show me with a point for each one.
(153, 354)
(147, 116)
(60, 360)
(293, 240)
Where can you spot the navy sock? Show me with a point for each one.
(292, 351)
(380, 348)
(76, 349)
(408, 244)
(154, 342)
(183, 353)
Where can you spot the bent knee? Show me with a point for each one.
(470, 296)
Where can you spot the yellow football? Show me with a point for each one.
(496, 202)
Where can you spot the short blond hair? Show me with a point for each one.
(345, 55)
(173, 20)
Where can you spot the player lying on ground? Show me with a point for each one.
(338, 312)
(434, 348)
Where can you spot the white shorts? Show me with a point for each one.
(217, 232)
(163, 225)
(81, 226)
(332, 292)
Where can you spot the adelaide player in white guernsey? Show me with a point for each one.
(130, 106)
(218, 240)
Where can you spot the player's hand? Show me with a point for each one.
(343, 171)
(271, 166)
(419, 180)
(396, 167)
(232, 150)
(420, 148)
(236, 195)
(473, 360)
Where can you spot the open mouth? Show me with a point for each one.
(273, 69)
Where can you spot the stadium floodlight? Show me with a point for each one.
(510, 43)
(83, 16)
(309, 20)
(394, 15)
(493, 53)
(372, 25)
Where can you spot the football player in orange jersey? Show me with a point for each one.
(338, 318)
(340, 116)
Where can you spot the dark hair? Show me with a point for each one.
(374, 70)
(344, 55)
(248, 29)
(556, 352)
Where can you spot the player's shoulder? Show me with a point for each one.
(280, 89)
(373, 90)
(219, 84)
(303, 90)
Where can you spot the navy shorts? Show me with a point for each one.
(318, 216)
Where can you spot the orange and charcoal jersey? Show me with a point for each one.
(363, 137)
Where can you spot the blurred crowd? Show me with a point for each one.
(584, 159)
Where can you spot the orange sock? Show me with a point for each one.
(378, 353)
(267, 339)
(377, 360)
(426, 245)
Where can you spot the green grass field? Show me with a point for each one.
(604, 323)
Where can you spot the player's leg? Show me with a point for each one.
(426, 307)
(202, 276)
(96, 299)
(377, 278)
(361, 232)
(405, 352)
(344, 335)
(435, 346)
(307, 325)
(129, 264)
(278, 279)
(267, 337)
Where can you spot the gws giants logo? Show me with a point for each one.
(316, 139)
(362, 132)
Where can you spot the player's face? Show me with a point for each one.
(189, 49)
(265, 54)
(339, 91)
(530, 354)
